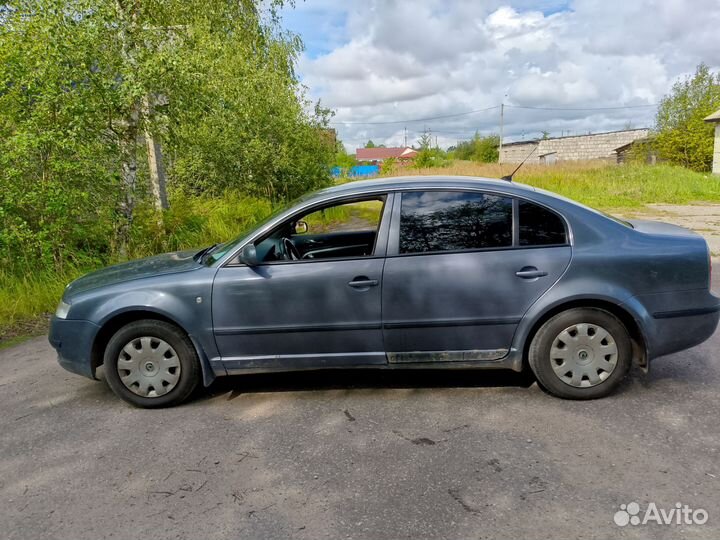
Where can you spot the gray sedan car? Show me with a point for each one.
(401, 273)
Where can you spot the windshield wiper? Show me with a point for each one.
(200, 255)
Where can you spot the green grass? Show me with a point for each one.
(602, 186)
(29, 295)
(631, 186)
(27, 300)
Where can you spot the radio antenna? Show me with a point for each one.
(509, 177)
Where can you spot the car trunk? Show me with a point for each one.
(662, 228)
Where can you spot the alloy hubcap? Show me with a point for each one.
(583, 355)
(148, 366)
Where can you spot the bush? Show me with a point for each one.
(683, 137)
(479, 148)
(388, 167)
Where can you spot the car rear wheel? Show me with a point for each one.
(581, 353)
(151, 364)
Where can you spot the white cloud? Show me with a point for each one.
(378, 61)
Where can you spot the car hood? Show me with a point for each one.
(167, 263)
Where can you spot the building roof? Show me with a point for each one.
(536, 141)
(632, 143)
(372, 154)
(714, 117)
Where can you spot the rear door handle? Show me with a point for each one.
(363, 282)
(530, 272)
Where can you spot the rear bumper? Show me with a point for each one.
(675, 331)
(73, 340)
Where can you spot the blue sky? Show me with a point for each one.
(387, 61)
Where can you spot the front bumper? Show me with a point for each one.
(73, 341)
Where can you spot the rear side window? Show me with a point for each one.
(454, 221)
(540, 227)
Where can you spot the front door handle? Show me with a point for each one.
(363, 282)
(530, 272)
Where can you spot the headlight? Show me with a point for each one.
(62, 310)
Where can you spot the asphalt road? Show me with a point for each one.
(357, 455)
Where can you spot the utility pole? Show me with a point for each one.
(405, 129)
(502, 121)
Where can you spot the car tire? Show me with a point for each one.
(581, 353)
(151, 364)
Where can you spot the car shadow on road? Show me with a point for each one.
(349, 379)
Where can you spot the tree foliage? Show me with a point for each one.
(479, 148)
(342, 158)
(429, 156)
(80, 82)
(371, 144)
(683, 137)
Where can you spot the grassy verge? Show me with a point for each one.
(602, 186)
(27, 300)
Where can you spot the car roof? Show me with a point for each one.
(443, 182)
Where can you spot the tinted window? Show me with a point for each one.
(540, 227)
(453, 220)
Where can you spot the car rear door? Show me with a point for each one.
(462, 270)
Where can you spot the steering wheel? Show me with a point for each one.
(290, 252)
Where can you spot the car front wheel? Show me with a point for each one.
(581, 353)
(151, 364)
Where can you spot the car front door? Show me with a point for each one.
(462, 269)
(313, 300)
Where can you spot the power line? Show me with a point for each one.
(418, 119)
(469, 131)
(582, 108)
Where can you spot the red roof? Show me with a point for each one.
(375, 154)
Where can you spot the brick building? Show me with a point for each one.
(571, 148)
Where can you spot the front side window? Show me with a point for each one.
(340, 230)
(343, 218)
(454, 221)
(539, 226)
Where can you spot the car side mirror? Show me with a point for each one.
(248, 255)
(301, 227)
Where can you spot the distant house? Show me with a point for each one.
(572, 148)
(714, 118)
(376, 156)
